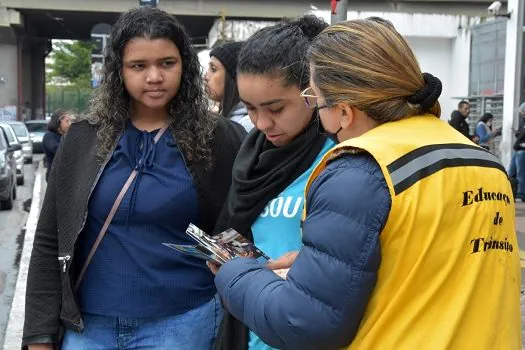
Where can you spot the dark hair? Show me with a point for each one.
(486, 117)
(462, 103)
(281, 49)
(231, 95)
(190, 122)
(381, 21)
(54, 122)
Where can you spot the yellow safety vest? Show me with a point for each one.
(450, 272)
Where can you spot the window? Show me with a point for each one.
(487, 58)
(3, 141)
(38, 127)
(19, 129)
(9, 134)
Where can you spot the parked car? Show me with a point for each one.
(23, 136)
(7, 172)
(37, 129)
(19, 156)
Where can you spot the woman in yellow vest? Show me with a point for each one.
(409, 235)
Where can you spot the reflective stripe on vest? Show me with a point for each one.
(427, 160)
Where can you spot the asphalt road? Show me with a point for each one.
(11, 239)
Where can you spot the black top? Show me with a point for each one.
(459, 122)
(50, 144)
(519, 144)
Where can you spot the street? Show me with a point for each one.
(11, 239)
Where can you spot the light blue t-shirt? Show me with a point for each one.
(277, 231)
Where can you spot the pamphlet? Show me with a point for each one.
(222, 247)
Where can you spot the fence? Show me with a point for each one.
(70, 98)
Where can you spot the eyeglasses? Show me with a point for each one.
(310, 100)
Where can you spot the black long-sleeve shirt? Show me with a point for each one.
(50, 144)
(459, 122)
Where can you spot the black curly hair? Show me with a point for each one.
(190, 122)
(281, 50)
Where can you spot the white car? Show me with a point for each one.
(23, 136)
(37, 129)
(18, 154)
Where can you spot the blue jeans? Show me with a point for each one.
(195, 329)
(517, 169)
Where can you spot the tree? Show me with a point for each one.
(71, 63)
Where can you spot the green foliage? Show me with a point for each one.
(71, 63)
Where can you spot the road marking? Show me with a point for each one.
(522, 259)
(14, 331)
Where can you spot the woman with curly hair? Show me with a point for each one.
(148, 161)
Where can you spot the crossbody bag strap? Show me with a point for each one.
(110, 216)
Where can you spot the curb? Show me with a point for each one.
(15, 324)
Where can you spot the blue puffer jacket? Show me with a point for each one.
(322, 302)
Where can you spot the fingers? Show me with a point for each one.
(284, 262)
(214, 268)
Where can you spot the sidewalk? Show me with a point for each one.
(13, 336)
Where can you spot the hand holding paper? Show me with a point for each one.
(229, 245)
(284, 262)
(220, 248)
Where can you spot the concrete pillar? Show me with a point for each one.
(10, 84)
(512, 88)
(32, 77)
(8, 74)
(38, 76)
(27, 80)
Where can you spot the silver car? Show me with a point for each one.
(37, 129)
(23, 136)
(19, 156)
(7, 173)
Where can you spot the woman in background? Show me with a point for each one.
(57, 127)
(485, 131)
(221, 83)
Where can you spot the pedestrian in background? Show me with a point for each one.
(459, 121)
(485, 131)
(408, 229)
(269, 175)
(57, 127)
(517, 163)
(221, 83)
(148, 161)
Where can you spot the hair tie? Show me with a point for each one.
(429, 95)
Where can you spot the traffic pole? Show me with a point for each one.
(339, 11)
